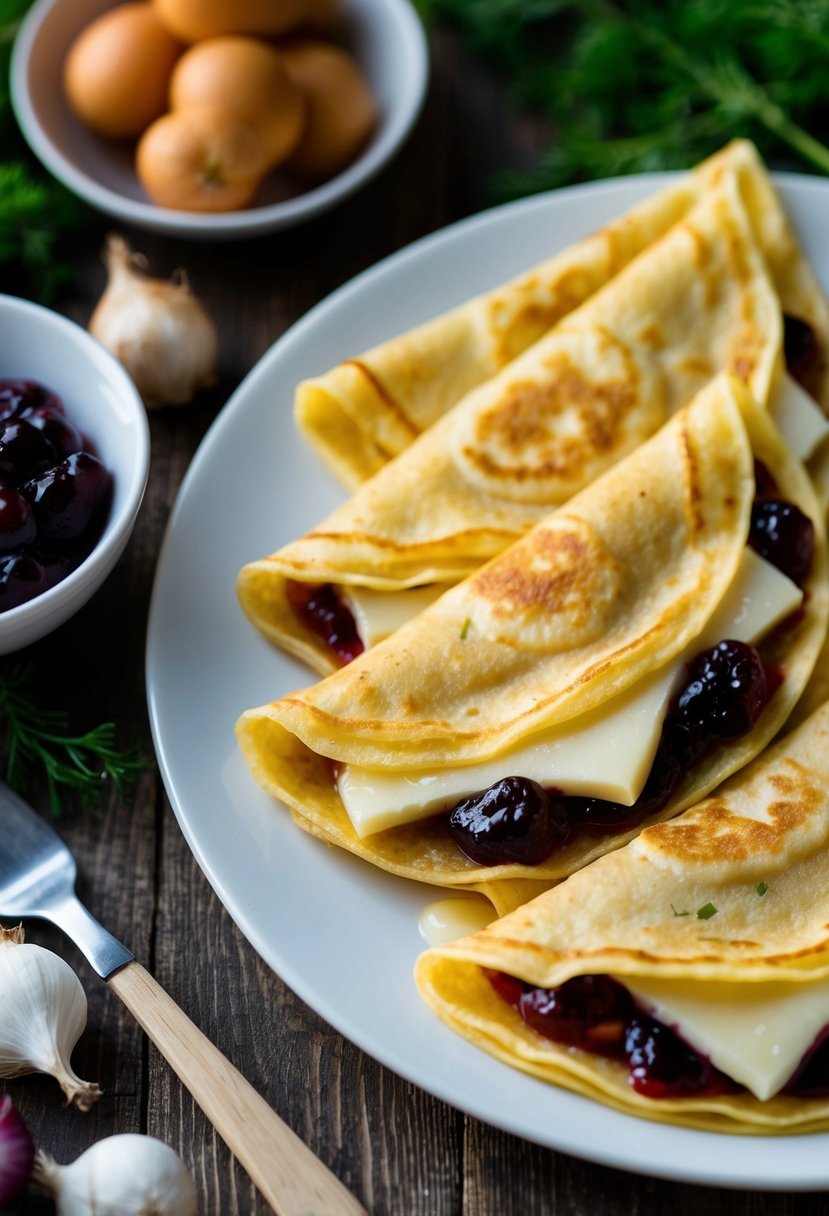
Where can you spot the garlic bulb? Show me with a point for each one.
(128, 1175)
(156, 328)
(42, 1015)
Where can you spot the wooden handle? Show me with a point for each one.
(292, 1179)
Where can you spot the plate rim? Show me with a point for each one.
(371, 277)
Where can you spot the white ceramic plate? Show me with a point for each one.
(385, 36)
(343, 934)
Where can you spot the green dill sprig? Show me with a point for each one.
(33, 736)
(640, 85)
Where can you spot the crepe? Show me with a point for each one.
(698, 301)
(599, 598)
(729, 902)
(370, 408)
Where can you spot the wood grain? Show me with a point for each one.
(289, 1176)
(399, 1151)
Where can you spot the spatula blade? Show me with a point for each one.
(35, 864)
(37, 879)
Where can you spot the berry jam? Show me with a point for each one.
(514, 820)
(783, 535)
(726, 689)
(724, 693)
(599, 1015)
(55, 493)
(320, 610)
(663, 1065)
(764, 484)
(811, 1078)
(18, 397)
(801, 350)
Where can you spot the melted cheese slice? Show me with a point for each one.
(377, 614)
(448, 920)
(757, 1034)
(607, 753)
(798, 416)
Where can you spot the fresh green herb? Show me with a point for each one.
(35, 212)
(638, 85)
(673, 909)
(761, 888)
(706, 912)
(34, 736)
(465, 628)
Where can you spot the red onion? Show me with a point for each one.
(16, 1152)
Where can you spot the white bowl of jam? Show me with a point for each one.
(74, 460)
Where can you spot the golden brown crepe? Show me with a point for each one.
(753, 858)
(698, 301)
(601, 595)
(370, 408)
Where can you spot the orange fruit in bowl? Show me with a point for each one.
(193, 20)
(246, 77)
(117, 71)
(201, 159)
(342, 111)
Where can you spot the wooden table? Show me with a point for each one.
(400, 1151)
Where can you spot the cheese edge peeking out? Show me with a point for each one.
(378, 614)
(757, 1034)
(623, 732)
(798, 417)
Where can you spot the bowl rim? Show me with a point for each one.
(400, 16)
(120, 522)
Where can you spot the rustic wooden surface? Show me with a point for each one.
(401, 1152)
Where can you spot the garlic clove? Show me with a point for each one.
(42, 1015)
(126, 1175)
(156, 328)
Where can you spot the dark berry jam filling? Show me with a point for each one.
(514, 820)
(801, 351)
(782, 534)
(597, 1014)
(811, 1077)
(724, 692)
(321, 611)
(55, 493)
(779, 531)
(765, 485)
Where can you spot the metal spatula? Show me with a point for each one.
(37, 879)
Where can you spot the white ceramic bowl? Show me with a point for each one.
(386, 37)
(102, 401)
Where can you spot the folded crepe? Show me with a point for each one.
(370, 408)
(560, 661)
(712, 930)
(696, 302)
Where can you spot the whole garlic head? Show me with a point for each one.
(156, 328)
(126, 1175)
(42, 1015)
